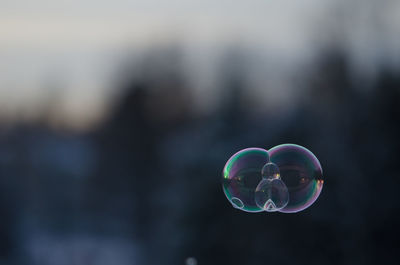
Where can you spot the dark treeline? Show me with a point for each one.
(144, 187)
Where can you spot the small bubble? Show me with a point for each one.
(271, 195)
(270, 171)
(237, 203)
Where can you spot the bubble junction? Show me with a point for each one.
(287, 178)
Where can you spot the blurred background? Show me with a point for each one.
(117, 117)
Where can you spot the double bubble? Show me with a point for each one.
(287, 178)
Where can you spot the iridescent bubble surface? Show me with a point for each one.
(301, 171)
(241, 175)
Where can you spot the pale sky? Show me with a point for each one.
(79, 44)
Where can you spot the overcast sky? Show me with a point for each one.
(78, 44)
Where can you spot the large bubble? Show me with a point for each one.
(301, 171)
(241, 175)
(287, 178)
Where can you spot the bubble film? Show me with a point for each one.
(241, 175)
(301, 171)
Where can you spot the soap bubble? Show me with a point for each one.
(301, 171)
(271, 194)
(241, 175)
(287, 178)
(270, 171)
